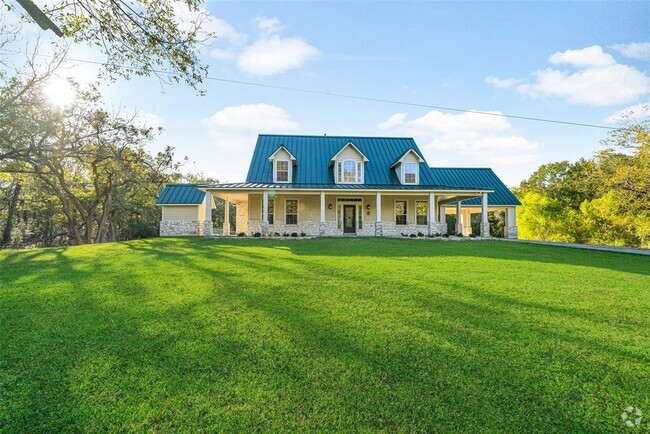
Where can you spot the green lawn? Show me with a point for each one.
(322, 335)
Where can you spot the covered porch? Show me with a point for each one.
(349, 212)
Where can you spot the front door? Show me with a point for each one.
(349, 218)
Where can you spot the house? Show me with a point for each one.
(335, 186)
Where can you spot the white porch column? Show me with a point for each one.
(510, 230)
(467, 222)
(265, 212)
(431, 212)
(378, 224)
(321, 230)
(226, 217)
(459, 217)
(207, 223)
(485, 225)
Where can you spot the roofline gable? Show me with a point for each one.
(411, 150)
(349, 143)
(280, 148)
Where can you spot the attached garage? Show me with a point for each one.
(183, 210)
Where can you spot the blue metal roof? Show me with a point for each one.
(313, 186)
(313, 155)
(181, 194)
(477, 178)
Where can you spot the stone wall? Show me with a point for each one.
(390, 229)
(180, 228)
(242, 217)
(511, 232)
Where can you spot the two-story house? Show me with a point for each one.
(336, 186)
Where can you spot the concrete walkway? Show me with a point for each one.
(631, 250)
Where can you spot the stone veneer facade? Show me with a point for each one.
(180, 228)
(330, 229)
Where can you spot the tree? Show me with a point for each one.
(138, 37)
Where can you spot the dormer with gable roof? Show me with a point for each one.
(283, 162)
(348, 165)
(407, 167)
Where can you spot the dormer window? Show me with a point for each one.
(282, 171)
(349, 172)
(410, 173)
(283, 162)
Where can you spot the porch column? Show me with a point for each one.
(321, 230)
(467, 222)
(265, 212)
(442, 219)
(226, 218)
(431, 212)
(207, 223)
(459, 217)
(485, 225)
(378, 225)
(510, 230)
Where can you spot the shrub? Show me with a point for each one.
(276, 234)
(472, 235)
(294, 234)
(459, 234)
(445, 235)
(286, 234)
(257, 234)
(404, 235)
(420, 234)
(241, 234)
(412, 235)
(302, 234)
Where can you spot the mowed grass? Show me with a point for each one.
(322, 335)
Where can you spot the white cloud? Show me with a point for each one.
(393, 121)
(635, 50)
(598, 81)
(470, 139)
(590, 57)
(268, 25)
(636, 112)
(234, 131)
(221, 29)
(502, 83)
(145, 119)
(273, 55)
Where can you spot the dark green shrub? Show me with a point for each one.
(241, 234)
(420, 234)
(294, 234)
(412, 235)
(257, 234)
(286, 234)
(302, 234)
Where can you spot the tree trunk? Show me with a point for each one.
(11, 213)
(102, 229)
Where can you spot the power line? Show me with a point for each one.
(363, 98)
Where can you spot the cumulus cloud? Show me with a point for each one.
(221, 29)
(474, 138)
(145, 119)
(393, 121)
(636, 112)
(269, 53)
(635, 50)
(234, 131)
(274, 54)
(596, 79)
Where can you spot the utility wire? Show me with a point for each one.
(363, 98)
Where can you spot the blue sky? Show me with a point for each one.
(579, 62)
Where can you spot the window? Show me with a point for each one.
(282, 171)
(421, 212)
(400, 212)
(410, 173)
(349, 171)
(291, 211)
(271, 210)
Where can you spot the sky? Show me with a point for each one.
(578, 62)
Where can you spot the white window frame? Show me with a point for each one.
(426, 216)
(416, 173)
(340, 172)
(271, 201)
(297, 212)
(395, 213)
(275, 171)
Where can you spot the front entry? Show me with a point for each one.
(349, 219)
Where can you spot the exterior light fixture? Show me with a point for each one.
(329, 206)
(368, 207)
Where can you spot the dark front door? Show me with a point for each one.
(349, 217)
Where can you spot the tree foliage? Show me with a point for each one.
(601, 200)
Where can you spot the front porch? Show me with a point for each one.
(353, 213)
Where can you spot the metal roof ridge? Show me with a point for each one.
(337, 137)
